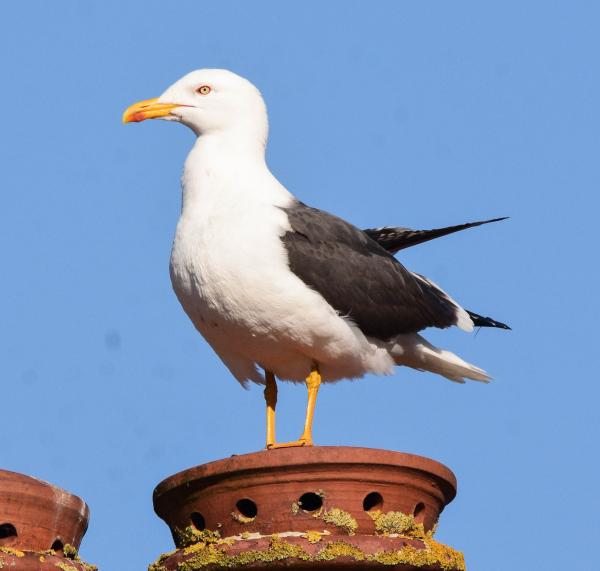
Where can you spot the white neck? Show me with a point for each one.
(229, 167)
(231, 145)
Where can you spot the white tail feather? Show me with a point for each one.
(414, 351)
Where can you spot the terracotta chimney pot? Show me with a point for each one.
(41, 525)
(308, 508)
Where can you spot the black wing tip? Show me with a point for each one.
(396, 239)
(495, 220)
(481, 321)
(480, 223)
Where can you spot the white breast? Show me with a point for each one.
(230, 271)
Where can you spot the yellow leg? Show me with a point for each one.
(313, 382)
(271, 399)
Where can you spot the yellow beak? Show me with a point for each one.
(147, 109)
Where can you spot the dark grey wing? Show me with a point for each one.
(359, 278)
(396, 239)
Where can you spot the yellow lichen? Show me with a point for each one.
(339, 518)
(212, 554)
(336, 549)
(190, 535)
(433, 530)
(70, 552)
(278, 550)
(313, 536)
(204, 554)
(434, 554)
(241, 518)
(448, 557)
(66, 567)
(211, 550)
(11, 551)
(1, 562)
(334, 516)
(397, 522)
(158, 564)
(195, 548)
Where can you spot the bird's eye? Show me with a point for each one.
(203, 90)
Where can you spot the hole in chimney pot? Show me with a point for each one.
(58, 545)
(373, 501)
(310, 502)
(247, 508)
(7, 530)
(198, 521)
(419, 512)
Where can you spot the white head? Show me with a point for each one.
(208, 101)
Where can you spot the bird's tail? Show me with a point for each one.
(412, 350)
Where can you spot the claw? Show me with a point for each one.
(293, 444)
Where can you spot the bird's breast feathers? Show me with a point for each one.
(230, 265)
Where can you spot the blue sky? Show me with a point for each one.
(386, 113)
